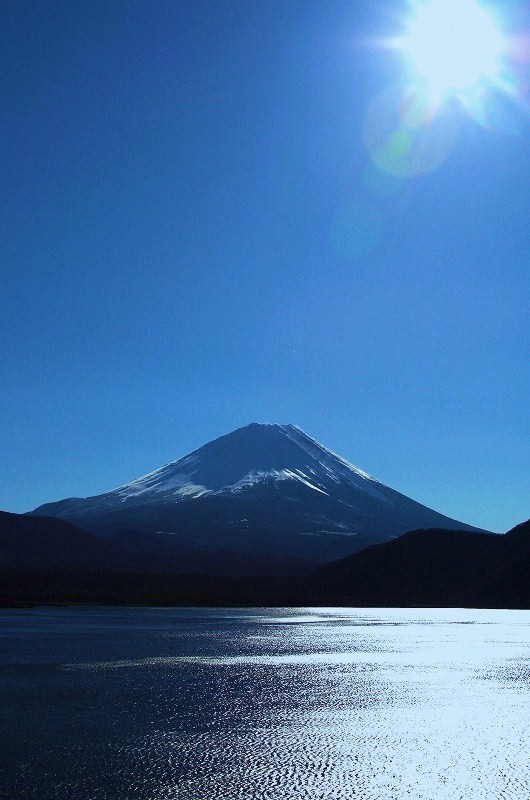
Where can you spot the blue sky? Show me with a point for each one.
(194, 236)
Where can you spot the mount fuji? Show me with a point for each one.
(263, 499)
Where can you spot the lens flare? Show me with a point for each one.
(404, 135)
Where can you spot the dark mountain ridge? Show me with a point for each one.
(433, 567)
(45, 560)
(43, 542)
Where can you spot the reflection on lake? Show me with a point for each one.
(204, 704)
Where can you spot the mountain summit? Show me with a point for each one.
(254, 454)
(264, 498)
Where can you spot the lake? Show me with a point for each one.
(264, 704)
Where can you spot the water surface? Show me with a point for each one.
(282, 704)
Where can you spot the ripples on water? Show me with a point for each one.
(327, 704)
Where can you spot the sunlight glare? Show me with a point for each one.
(454, 46)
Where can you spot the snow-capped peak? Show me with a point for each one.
(260, 492)
(248, 456)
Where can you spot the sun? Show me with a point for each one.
(464, 60)
(454, 46)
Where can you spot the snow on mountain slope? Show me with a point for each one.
(251, 455)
